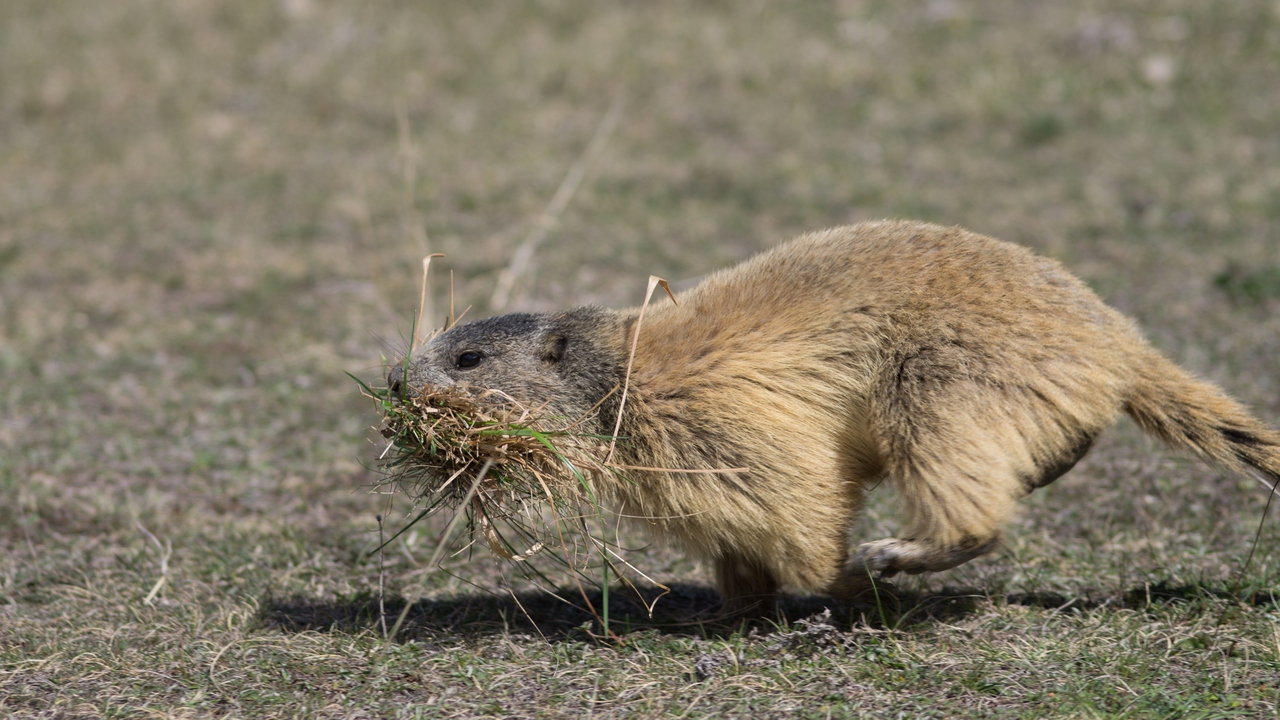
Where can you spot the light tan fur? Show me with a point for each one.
(968, 370)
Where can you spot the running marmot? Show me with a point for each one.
(967, 370)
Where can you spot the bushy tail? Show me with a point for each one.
(1194, 415)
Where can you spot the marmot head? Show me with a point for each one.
(564, 361)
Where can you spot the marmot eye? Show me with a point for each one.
(469, 359)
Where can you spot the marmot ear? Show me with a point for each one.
(553, 346)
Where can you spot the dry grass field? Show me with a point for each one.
(209, 211)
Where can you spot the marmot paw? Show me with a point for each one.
(892, 555)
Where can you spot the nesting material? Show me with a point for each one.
(524, 479)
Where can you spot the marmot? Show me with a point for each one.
(967, 370)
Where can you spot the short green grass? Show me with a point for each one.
(210, 211)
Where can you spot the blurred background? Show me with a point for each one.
(211, 211)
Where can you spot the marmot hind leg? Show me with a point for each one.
(959, 499)
(912, 556)
(962, 448)
(958, 503)
(956, 506)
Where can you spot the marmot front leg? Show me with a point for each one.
(746, 587)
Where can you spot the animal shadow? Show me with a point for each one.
(687, 610)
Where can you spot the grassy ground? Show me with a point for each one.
(210, 211)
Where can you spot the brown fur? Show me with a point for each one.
(968, 370)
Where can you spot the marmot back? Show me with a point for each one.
(968, 370)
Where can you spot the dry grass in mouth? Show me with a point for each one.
(523, 479)
(484, 453)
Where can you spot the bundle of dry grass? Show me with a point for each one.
(525, 480)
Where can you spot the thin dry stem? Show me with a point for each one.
(457, 516)
(654, 282)
(685, 471)
(382, 606)
(424, 300)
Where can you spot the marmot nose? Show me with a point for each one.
(395, 379)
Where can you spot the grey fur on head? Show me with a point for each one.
(540, 360)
